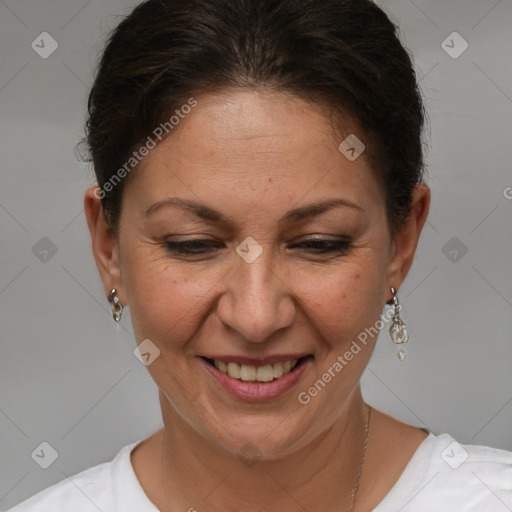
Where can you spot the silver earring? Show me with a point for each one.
(398, 329)
(115, 305)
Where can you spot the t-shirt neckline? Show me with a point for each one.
(129, 496)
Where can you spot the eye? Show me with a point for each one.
(325, 245)
(198, 246)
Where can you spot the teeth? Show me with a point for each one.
(278, 370)
(265, 373)
(252, 373)
(247, 372)
(233, 370)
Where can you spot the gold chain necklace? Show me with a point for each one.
(361, 463)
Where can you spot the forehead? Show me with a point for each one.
(262, 142)
(266, 122)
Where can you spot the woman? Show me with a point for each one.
(260, 198)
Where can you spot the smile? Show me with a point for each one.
(249, 373)
(265, 379)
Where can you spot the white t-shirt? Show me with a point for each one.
(442, 476)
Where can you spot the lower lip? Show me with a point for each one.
(258, 391)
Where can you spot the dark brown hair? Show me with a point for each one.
(343, 53)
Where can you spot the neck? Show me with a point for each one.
(198, 474)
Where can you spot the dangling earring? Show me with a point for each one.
(398, 329)
(115, 305)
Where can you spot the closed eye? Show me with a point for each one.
(204, 246)
(321, 246)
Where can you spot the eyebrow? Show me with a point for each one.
(213, 216)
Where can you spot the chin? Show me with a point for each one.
(261, 437)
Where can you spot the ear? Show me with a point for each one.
(104, 244)
(406, 239)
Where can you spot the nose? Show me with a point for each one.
(258, 299)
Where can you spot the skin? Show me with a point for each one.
(253, 155)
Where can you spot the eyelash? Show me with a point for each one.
(320, 246)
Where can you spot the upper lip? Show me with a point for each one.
(257, 361)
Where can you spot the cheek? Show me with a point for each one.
(344, 301)
(164, 299)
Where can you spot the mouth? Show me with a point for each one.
(265, 373)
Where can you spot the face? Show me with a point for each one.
(223, 255)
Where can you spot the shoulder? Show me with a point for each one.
(87, 491)
(469, 463)
(453, 476)
(83, 492)
(480, 474)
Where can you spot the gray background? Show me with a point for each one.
(68, 373)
